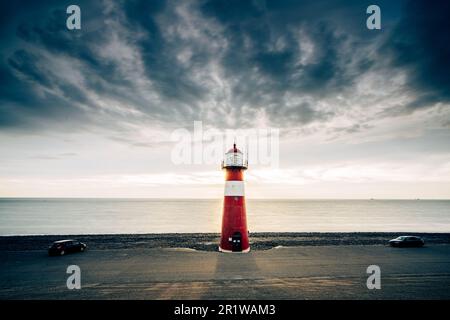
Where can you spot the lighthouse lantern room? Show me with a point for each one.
(234, 237)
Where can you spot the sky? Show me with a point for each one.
(353, 113)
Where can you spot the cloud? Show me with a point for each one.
(419, 44)
(229, 63)
(53, 157)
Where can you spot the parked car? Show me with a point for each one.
(407, 241)
(62, 247)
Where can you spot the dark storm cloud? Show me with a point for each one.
(163, 60)
(420, 44)
(159, 54)
(21, 104)
(28, 91)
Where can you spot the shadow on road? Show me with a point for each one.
(232, 272)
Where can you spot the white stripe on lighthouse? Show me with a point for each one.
(234, 188)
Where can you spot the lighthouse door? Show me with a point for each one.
(236, 241)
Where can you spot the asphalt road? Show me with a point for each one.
(326, 272)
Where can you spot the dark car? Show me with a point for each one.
(62, 247)
(407, 241)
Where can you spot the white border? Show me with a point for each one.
(230, 251)
(234, 188)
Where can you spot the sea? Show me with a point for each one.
(32, 216)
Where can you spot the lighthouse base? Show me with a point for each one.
(230, 251)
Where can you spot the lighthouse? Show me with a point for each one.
(234, 237)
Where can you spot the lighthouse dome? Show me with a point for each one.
(234, 158)
(234, 151)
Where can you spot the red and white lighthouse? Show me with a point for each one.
(234, 236)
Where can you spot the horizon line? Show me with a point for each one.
(158, 198)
